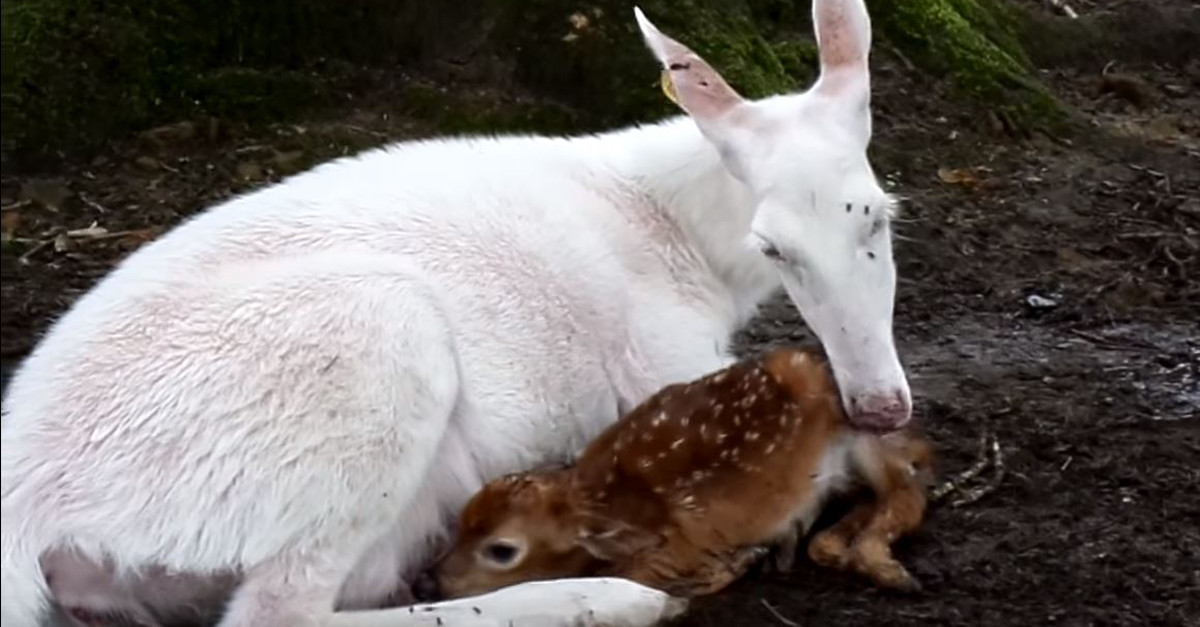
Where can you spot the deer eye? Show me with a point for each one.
(771, 251)
(501, 553)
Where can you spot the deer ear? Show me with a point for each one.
(699, 89)
(843, 30)
(610, 540)
(726, 119)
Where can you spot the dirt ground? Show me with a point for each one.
(1049, 295)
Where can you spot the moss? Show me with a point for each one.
(799, 57)
(976, 44)
(78, 72)
(485, 112)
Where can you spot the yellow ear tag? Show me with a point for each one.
(668, 86)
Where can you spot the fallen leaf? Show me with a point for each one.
(249, 171)
(49, 193)
(172, 133)
(10, 221)
(133, 239)
(967, 177)
(288, 162)
(149, 163)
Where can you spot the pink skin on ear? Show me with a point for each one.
(702, 92)
(843, 31)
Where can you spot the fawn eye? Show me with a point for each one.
(501, 553)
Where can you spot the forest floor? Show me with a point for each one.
(1049, 295)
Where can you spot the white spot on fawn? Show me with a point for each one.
(677, 443)
(751, 436)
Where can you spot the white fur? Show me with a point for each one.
(303, 384)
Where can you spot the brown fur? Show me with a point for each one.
(683, 492)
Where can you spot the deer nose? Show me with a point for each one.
(880, 412)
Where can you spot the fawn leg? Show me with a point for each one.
(895, 513)
(831, 547)
(691, 572)
(785, 550)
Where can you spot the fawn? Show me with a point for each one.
(685, 492)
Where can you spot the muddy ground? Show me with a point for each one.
(1050, 294)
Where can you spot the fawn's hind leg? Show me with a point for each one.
(862, 541)
(831, 547)
(895, 514)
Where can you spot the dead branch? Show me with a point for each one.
(780, 617)
(973, 495)
(952, 484)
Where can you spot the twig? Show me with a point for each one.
(16, 205)
(365, 131)
(989, 487)
(903, 59)
(1121, 344)
(1064, 8)
(780, 617)
(24, 259)
(96, 237)
(91, 203)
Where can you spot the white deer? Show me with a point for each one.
(288, 397)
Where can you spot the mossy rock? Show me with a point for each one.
(79, 72)
(977, 44)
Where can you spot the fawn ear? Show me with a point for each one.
(610, 540)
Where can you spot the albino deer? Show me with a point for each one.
(296, 390)
(683, 493)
